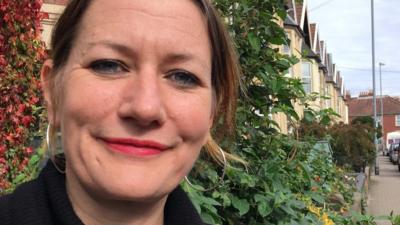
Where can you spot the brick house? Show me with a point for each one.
(363, 106)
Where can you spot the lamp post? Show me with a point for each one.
(373, 87)
(383, 143)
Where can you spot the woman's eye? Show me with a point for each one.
(184, 79)
(107, 66)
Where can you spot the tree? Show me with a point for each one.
(353, 145)
(367, 120)
(21, 56)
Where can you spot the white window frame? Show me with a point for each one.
(306, 78)
(286, 49)
(327, 101)
(338, 106)
(397, 121)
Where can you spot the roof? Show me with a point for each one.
(313, 27)
(290, 21)
(339, 81)
(362, 106)
(310, 53)
(322, 52)
(290, 9)
(299, 13)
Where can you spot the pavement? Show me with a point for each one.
(384, 191)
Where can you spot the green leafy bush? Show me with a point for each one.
(286, 180)
(353, 145)
(367, 120)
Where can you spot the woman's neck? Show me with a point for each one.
(93, 210)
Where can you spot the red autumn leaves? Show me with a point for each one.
(21, 55)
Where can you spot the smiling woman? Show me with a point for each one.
(134, 88)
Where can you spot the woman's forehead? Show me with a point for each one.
(155, 9)
(175, 27)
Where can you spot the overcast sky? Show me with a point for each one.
(345, 25)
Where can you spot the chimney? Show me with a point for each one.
(366, 93)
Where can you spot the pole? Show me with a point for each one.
(373, 87)
(383, 144)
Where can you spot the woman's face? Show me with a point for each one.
(136, 99)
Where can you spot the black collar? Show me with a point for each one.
(179, 210)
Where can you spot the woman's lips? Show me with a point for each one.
(134, 147)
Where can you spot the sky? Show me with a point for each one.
(345, 25)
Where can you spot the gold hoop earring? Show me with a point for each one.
(51, 150)
(221, 178)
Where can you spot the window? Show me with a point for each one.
(338, 107)
(327, 101)
(286, 48)
(306, 77)
(287, 51)
(397, 120)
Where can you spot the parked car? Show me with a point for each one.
(391, 138)
(395, 156)
(394, 153)
(398, 162)
(390, 149)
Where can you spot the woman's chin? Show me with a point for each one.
(133, 192)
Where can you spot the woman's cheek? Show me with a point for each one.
(87, 101)
(194, 119)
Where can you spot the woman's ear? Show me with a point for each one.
(46, 81)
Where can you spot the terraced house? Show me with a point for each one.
(316, 68)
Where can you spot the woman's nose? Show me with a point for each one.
(142, 101)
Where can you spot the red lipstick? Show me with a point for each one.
(134, 147)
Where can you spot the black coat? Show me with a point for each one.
(45, 201)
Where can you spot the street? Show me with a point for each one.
(384, 194)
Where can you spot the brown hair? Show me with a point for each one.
(225, 66)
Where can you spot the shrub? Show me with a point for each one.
(283, 183)
(353, 145)
(21, 55)
(367, 120)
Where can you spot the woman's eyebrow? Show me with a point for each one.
(169, 58)
(115, 46)
(175, 58)
(178, 57)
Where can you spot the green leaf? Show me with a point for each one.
(210, 201)
(254, 42)
(309, 116)
(264, 209)
(226, 200)
(33, 160)
(240, 204)
(208, 218)
(318, 198)
(19, 178)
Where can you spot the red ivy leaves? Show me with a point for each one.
(21, 55)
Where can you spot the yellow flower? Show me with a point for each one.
(314, 209)
(322, 216)
(325, 219)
